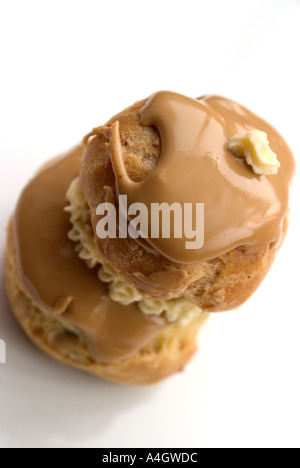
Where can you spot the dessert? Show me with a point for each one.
(127, 306)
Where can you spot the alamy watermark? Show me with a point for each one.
(188, 221)
(2, 352)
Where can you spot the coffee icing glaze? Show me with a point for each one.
(59, 281)
(195, 166)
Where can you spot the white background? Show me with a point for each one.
(67, 66)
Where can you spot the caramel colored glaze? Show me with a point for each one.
(195, 166)
(58, 281)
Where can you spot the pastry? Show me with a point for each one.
(124, 297)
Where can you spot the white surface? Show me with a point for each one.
(67, 66)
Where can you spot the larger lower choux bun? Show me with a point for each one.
(167, 353)
(129, 309)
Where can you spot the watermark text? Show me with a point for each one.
(2, 352)
(165, 221)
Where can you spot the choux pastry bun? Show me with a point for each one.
(118, 250)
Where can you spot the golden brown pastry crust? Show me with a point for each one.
(167, 353)
(215, 285)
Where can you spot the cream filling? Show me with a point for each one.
(254, 146)
(179, 309)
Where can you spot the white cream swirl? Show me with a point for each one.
(179, 309)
